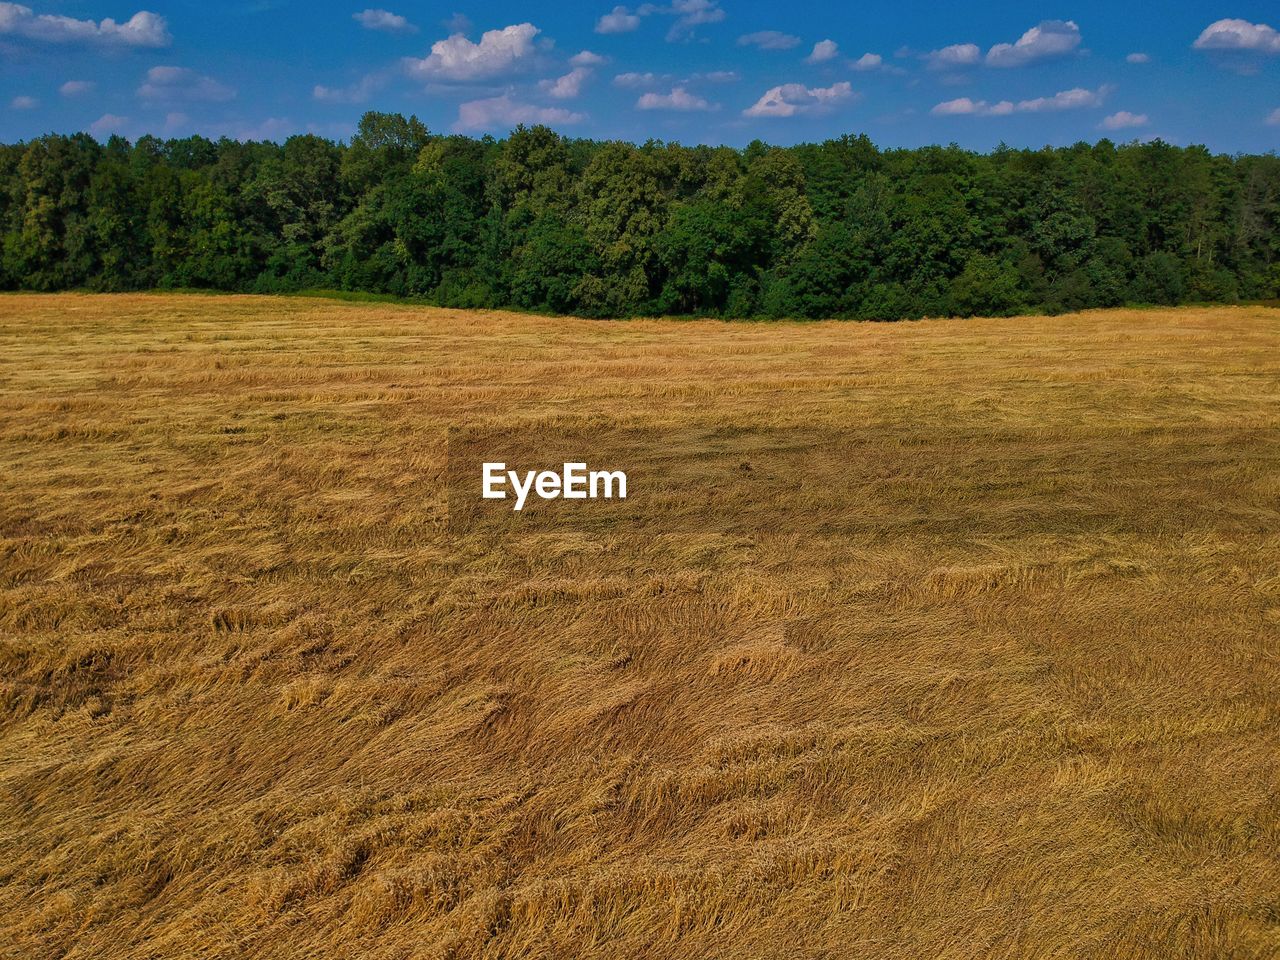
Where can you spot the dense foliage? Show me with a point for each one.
(538, 221)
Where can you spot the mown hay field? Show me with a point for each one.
(260, 700)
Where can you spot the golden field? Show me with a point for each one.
(258, 700)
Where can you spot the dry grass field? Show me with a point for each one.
(257, 699)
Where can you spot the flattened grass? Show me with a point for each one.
(256, 699)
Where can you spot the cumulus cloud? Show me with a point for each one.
(618, 20)
(1074, 99)
(967, 107)
(1125, 120)
(24, 103)
(1240, 35)
(791, 99)
(636, 79)
(497, 113)
(1051, 38)
(568, 86)
(823, 51)
(143, 29)
(678, 99)
(869, 61)
(1274, 119)
(383, 20)
(458, 59)
(107, 124)
(1138, 58)
(771, 40)
(585, 58)
(956, 55)
(1066, 100)
(179, 83)
(75, 88)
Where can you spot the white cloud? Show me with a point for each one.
(108, 124)
(1052, 38)
(383, 20)
(74, 88)
(678, 99)
(1138, 58)
(175, 121)
(1074, 99)
(791, 99)
(497, 113)
(143, 29)
(568, 86)
(689, 15)
(458, 23)
(1125, 120)
(1066, 100)
(24, 103)
(823, 51)
(457, 58)
(585, 58)
(179, 83)
(636, 79)
(868, 61)
(618, 20)
(359, 92)
(956, 55)
(1239, 35)
(1274, 119)
(640, 81)
(966, 107)
(770, 40)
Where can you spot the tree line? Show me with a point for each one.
(542, 222)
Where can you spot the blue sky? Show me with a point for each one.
(709, 71)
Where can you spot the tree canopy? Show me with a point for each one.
(542, 222)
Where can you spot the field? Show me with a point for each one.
(258, 699)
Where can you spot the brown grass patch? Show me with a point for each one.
(256, 700)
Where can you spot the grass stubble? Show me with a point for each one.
(257, 701)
